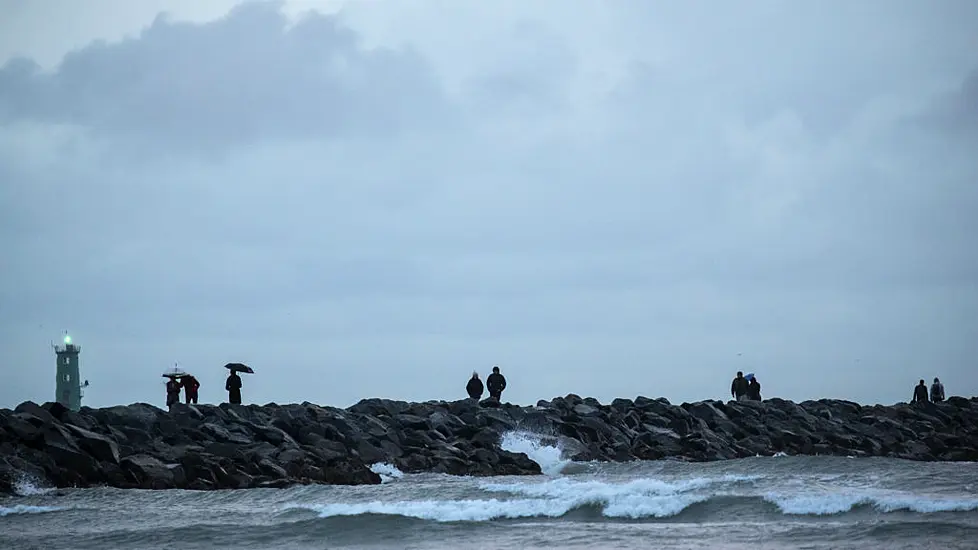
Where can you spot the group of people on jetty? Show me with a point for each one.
(936, 392)
(190, 386)
(743, 388)
(495, 383)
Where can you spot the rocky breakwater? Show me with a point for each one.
(235, 446)
(652, 429)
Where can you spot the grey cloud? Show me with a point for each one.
(248, 76)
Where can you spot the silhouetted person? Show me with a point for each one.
(753, 389)
(233, 386)
(190, 386)
(474, 387)
(920, 393)
(496, 383)
(937, 391)
(738, 389)
(172, 392)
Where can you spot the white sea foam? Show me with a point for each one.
(387, 472)
(640, 498)
(819, 504)
(28, 486)
(549, 457)
(596, 491)
(19, 509)
(446, 510)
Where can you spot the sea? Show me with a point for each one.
(770, 502)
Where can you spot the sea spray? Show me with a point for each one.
(550, 457)
(387, 472)
(27, 486)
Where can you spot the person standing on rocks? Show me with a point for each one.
(474, 387)
(172, 392)
(190, 386)
(753, 388)
(738, 389)
(937, 391)
(920, 393)
(233, 386)
(496, 383)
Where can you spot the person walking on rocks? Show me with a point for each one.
(496, 383)
(920, 393)
(753, 388)
(474, 387)
(738, 389)
(190, 387)
(937, 391)
(233, 386)
(172, 392)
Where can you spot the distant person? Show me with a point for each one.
(920, 393)
(172, 392)
(738, 389)
(496, 383)
(474, 387)
(233, 386)
(937, 391)
(753, 389)
(190, 386)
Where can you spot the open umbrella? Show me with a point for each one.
(239, 367)
(749, 376)
(174, 373)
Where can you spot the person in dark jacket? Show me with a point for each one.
(172, 392)
(738, 389)
(937, 391)
(920, 393)
(233, 386)
(496, 383)
(474, 387)
(753, 389)
(190, 386)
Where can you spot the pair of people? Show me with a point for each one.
(745, 388)
(495, 382)
(936, 392)
(186, 382)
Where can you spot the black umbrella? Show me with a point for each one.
(239, 367)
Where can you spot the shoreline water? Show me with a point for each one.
(275, 446)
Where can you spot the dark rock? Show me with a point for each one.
(205, 447)
(100, 447)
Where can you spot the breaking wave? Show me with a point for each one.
(27, 486)
(637, 499)
(821, 504)
(550, 456)
(387, 472)
(19, 509)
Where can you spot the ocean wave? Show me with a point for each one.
(27, 486)
(387, 472)
(638, 499)
(20, 509)
(549, 457)
(824, 504)
(597, 491)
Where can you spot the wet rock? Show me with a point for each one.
(206, 447)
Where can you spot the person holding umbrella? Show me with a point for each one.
(233, 384)
(173, 387)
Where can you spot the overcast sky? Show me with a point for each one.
(611, 198)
